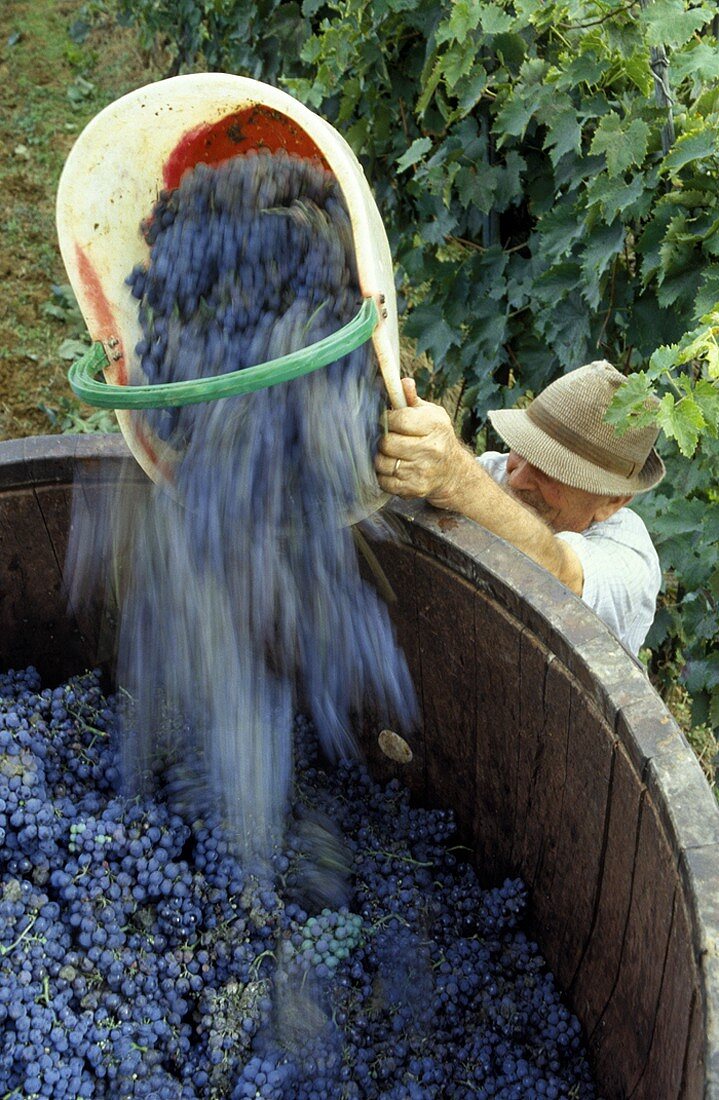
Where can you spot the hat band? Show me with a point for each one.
(577, 444)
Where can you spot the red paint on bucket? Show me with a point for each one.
(255, 127)
(103, 318)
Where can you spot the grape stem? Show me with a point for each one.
(45, 995)
(6, 950)
(396, 855)
(255, 964)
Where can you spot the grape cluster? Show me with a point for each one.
(140, 959)
(323, 941)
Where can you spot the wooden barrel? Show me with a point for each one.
(538, 729)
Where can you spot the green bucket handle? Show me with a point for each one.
(82, 375)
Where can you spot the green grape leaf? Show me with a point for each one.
(672, 23)
(469, 90)
(72, 349)
(690, 147)
(476, 186)
(463, 19)
(639, 72)
(458, 62)
(681, 420)
(602, 245)
(441, 224)
(710, 241)
(564, 134)
(557, 281)
(706, 394)
(585, 68)
(513, 118)
(679, 517)
(700, 702)
(704, 673)
(615, 196)
(511, 48)
(708, 295)
(663, 360)
(430, 83)
(509, 181)
(681, 286)
(622, 144)
(632, 405)
(714, 709)
(495, 20)
(559, 229)
(427, 326)
(567, 330)
(417, 150)
(699, 61)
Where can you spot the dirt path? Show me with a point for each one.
(51, 84)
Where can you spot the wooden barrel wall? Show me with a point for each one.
(538, 729)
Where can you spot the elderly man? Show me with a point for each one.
(559, 495)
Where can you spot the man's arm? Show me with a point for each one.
(435, 465)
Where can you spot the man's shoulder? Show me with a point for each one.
(625, 525)
(622, 532)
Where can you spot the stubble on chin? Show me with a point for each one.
(533, 502)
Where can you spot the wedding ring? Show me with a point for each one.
(396, 466)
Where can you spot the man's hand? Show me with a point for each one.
(421, 456)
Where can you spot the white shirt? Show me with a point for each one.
(622, 575)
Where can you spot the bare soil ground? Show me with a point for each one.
(50, 86)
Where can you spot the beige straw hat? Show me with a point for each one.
(563, 433)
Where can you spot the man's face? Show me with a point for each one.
(562, 507)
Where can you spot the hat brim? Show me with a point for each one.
(552, 458)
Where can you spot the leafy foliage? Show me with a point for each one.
(68, 416)
(218, 34)
(545, 205)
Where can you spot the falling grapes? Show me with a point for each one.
(242, 592)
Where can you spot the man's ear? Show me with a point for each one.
(607, 506)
